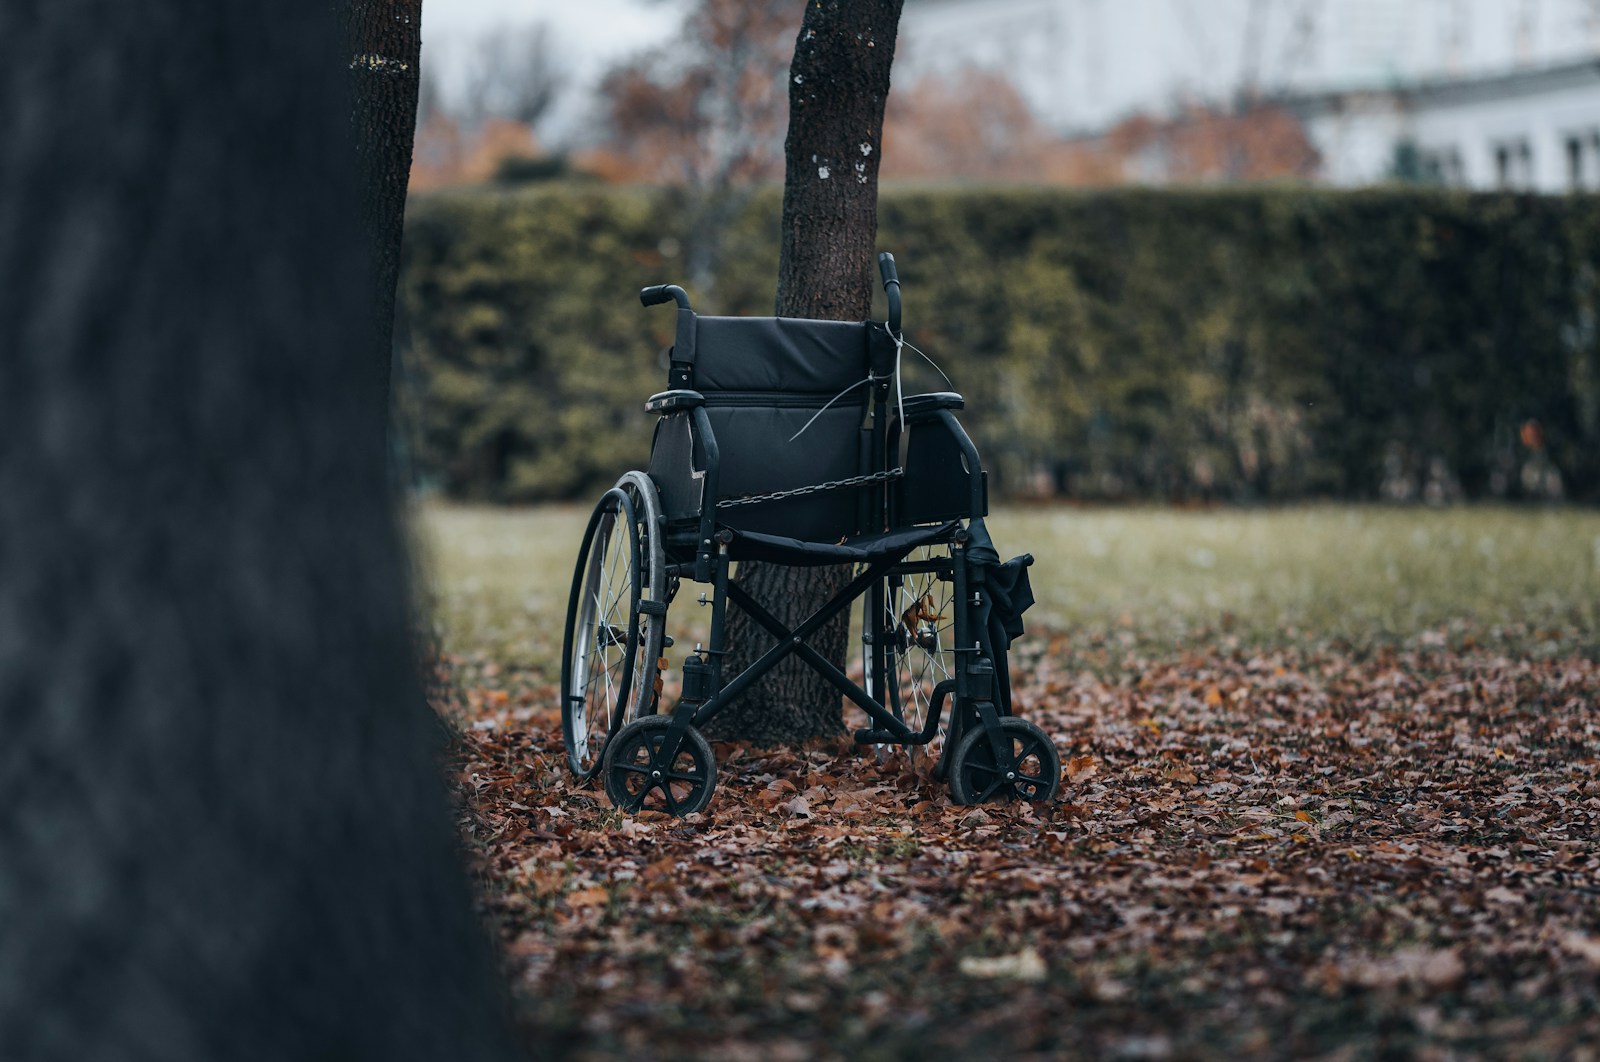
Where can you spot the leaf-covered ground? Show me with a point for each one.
(1294, 852)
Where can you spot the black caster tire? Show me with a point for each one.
(975, 777)
(627, 770)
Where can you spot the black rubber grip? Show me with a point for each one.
(886, 267)
(655, 295)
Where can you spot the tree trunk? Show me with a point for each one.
(223, 834)
(383, 44)
(838, 84)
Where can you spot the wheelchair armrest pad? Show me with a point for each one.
(918, 406)
(674, 402)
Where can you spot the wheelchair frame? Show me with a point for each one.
(988, 752)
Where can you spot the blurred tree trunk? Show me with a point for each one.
(383, 42)
(223, 833)
(838, 84)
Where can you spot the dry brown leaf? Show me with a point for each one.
(590, 897)
(1082, 768)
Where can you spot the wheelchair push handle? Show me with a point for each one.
(657, 294)
(891, 289)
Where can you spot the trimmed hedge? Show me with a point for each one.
(1242, 344)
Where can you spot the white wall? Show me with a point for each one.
(1357, 143)
(1462, 132)
(1544, 123)
(1083, 64)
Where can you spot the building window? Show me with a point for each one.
(1513, 165)
(1583, 160)
(1432, 167)
(1443, 166)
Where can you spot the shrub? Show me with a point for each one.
(1243, 344)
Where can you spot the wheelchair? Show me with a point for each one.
(788, 441)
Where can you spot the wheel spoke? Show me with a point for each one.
(611, 693)
(634, 760)
(922, 620)
(1032, 775)
(994, 788)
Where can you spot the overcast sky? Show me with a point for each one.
(1085, 63)
(590, 33)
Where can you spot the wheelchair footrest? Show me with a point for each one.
(884, 737)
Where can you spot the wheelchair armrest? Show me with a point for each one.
(674, 402)
(920, 407)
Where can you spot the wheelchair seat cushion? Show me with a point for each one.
(752, 545)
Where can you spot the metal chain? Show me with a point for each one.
(815, 488)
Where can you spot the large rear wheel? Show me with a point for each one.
(600, 661)
(920, 601)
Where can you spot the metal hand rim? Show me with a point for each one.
(653, 584)
(603, 590)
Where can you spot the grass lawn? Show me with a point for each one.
(1363, 575)
(1331, 790)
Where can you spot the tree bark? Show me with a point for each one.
(223, 834)
(383, 44)
(838, 84)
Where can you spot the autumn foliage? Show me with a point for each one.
(1271, 854)
(708, 110)
(974, 125)
(1202, 144)
(450, 152)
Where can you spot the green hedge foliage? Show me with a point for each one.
(1237, 344)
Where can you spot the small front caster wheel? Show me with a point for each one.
(976, 776)
(636, 781)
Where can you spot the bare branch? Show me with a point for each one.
(515, 73)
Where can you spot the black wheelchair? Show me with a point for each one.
(788, 441)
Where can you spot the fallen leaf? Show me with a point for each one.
(1025, 965)
(1082, 767)
(591, 897)
(1584, 947)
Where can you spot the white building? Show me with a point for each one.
(1529, 130)
(1477, 93)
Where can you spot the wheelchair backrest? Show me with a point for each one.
(764, 380)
